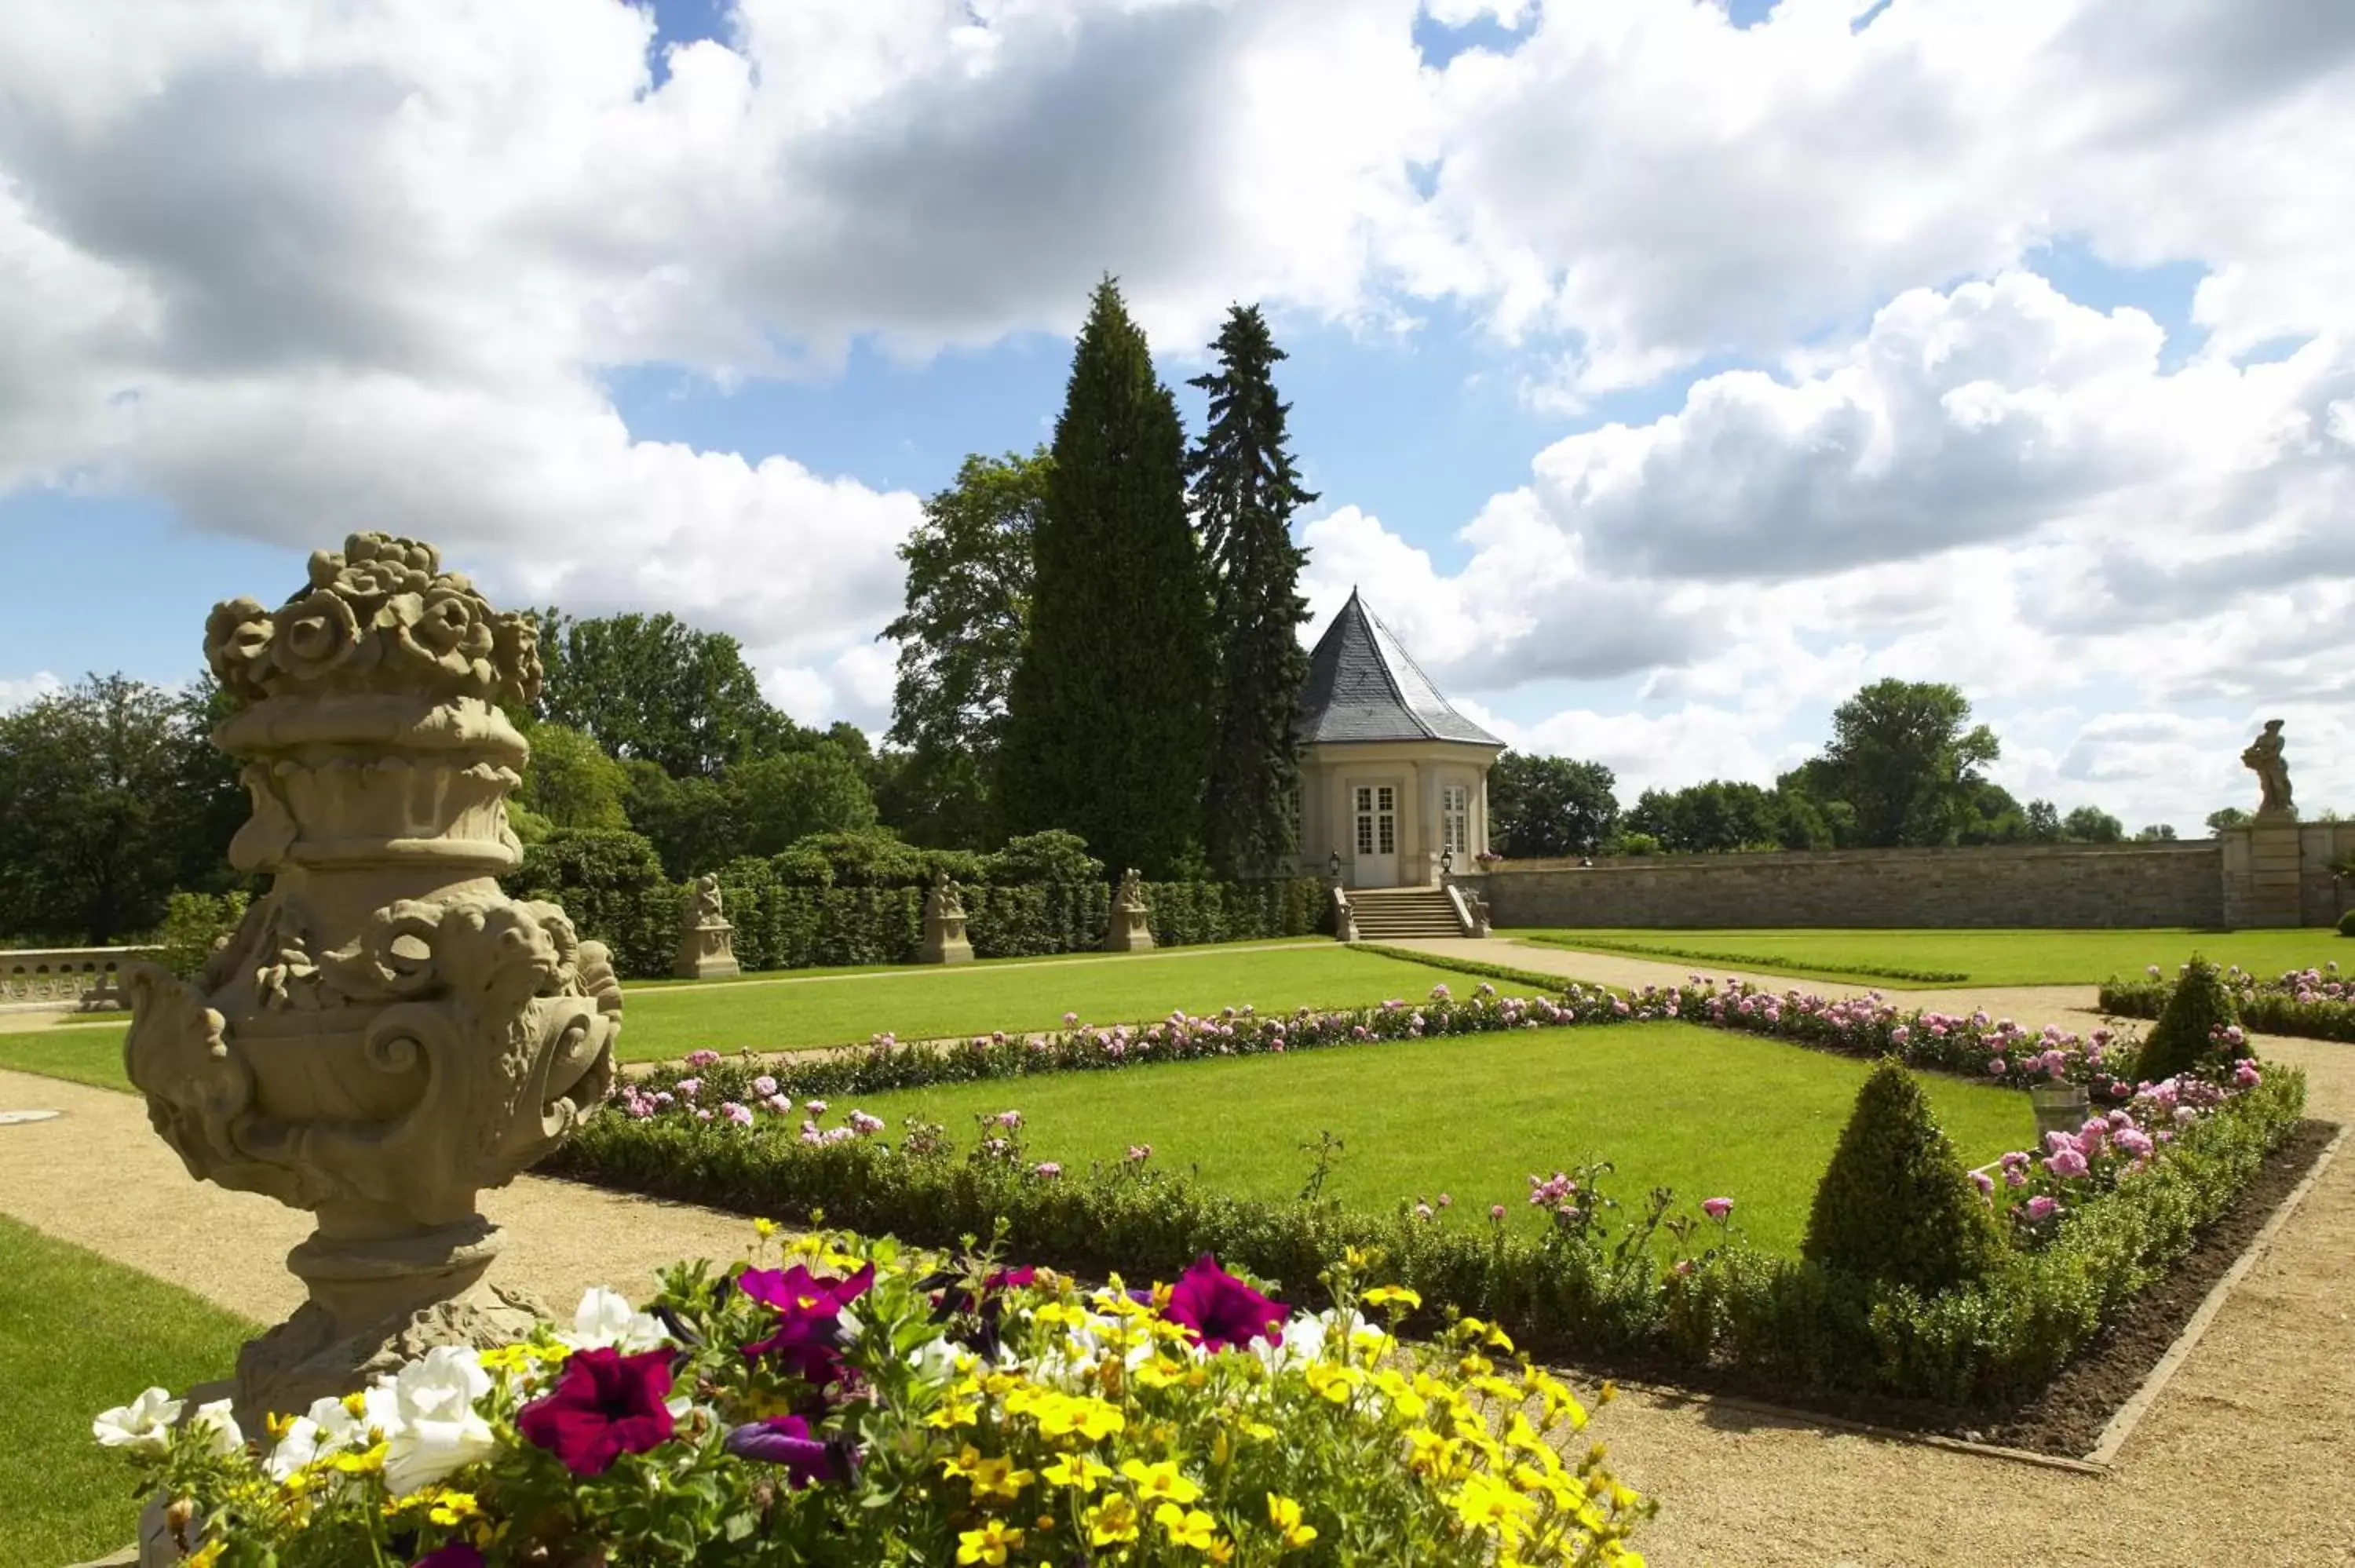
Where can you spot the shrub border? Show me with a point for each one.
(2261, 1008)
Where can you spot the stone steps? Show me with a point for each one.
(1389, 914)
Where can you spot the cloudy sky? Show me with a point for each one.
(1668, 368)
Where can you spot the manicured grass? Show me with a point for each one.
(79, 1335)
(87, 1053)
(661, 1023)
(830, 971)
(1987, 957)
(1705, 1112)
(977, 999)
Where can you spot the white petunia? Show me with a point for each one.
(326, 1428)
(214, 1421)
(145, 1424)
(427, 1411)
(605, 1319)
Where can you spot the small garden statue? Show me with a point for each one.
(706, 942)
(1131, 930)
(386, 1033)
(2263, 756)
(945, 940)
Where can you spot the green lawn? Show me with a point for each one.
(78, 1335)
(1987, 958)
(1705, 1112)
(661, 1022)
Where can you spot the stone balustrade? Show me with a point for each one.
(85, 980)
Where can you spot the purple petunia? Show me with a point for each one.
(808, 1337)
(1220, 1310)
(787, 1440)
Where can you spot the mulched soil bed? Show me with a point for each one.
(2068, 1418)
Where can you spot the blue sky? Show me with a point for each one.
(1666, 371)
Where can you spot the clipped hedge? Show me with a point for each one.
(2317, 1004)
(851, 900)
(1577, 1288)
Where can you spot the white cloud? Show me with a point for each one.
(16, 692)
(296, 270)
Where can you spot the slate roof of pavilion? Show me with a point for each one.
(1363, 686)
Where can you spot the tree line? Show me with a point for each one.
(1905, 768)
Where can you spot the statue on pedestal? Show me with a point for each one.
(2264, 758)
(945, 940)
(1130, 929)
(707, 948)
(386, 1032)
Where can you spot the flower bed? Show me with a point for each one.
(854, 1408)
(1657, 1281)
(2319, 1004)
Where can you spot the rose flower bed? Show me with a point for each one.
(853, 1407)
(2317, 1004)
(1654, 1283)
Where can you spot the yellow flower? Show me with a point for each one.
(363, 1461)
(1402, 1394)
(961, 1410)
(207, 1555)
(1078, 1472)
(992, 1544)
(1388, 1295)
(764, 1229)
(996, 1479)
(453, 1508)
(1331, 1383)
(1188, 1526)
(509, 1359)
(1160, 1482)
(1284, 1514)
(1159, 1373)
(1113, 1521)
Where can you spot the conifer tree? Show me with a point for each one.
(1245, 489)
(1895, 1204)
(1108, 719)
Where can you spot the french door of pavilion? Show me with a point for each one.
(1375, 808)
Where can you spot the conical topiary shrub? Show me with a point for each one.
(1895, 1204)
(2184, 1037)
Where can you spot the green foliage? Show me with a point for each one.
(1901, 758)
(2227, 817)
(1109, 715)
(1549, 806)
(656, 689)
(779, 800)
(1245, 489)
(1895, 1205)
(612, 884)
(961, 637)
(2091, 825)
(194, 924)
(2347, 924)
(1635, 843)
(1051, 856)
(110, 797)
(571, 782)
(2182, 1041)
(690, 822)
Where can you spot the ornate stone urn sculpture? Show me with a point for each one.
(387, 1033)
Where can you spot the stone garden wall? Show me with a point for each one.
(2059, 884)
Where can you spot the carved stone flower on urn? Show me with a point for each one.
(387, 1033)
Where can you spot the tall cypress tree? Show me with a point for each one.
(1245, 491)
(1108, 719)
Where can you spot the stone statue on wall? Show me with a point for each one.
(2264, 758)
(386, 1033)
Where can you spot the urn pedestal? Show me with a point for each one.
(386, 1032)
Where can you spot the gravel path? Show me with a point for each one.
(2243, 1459)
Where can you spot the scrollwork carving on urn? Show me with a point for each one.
(387, 1033)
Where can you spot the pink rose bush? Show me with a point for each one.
(850, 1404)
(2317, 1002)
(2035, 1187)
